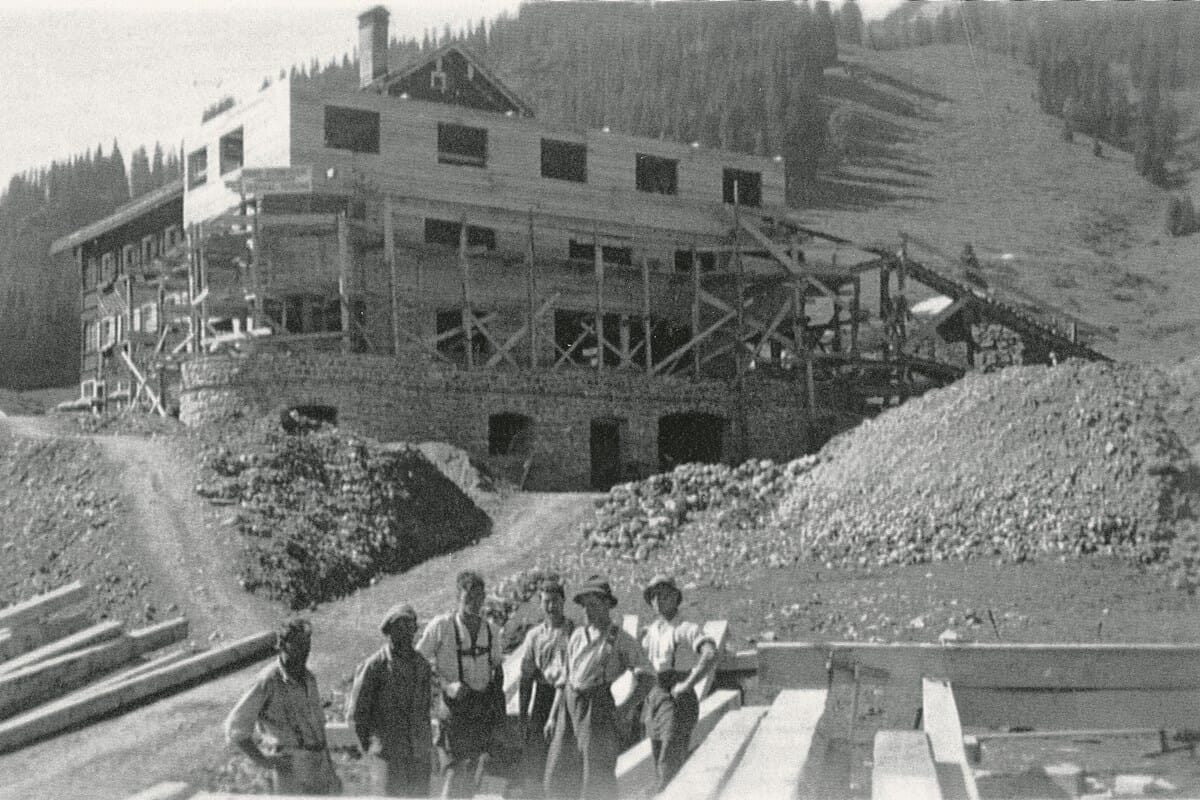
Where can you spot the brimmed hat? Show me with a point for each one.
(596, 585)
(658, 580)
(400, 611)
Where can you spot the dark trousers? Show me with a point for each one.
(583, 755)
(669, 725)
(464, 731)
(535, 749)
(399, 777)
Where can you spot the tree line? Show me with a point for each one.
(1108, 70)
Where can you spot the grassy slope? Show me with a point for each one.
(955, 151)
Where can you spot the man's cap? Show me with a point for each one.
(397, 612)
(661, 579)
(552, 584)
(596, 585)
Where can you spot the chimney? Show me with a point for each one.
(372, 44)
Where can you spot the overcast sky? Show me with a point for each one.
(77, 73)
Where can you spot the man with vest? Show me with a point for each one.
(465, 651)
(542, 666)
(279, 722)
(585, 722)
(681, 655)
(388, 710)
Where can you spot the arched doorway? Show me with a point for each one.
(691, 436)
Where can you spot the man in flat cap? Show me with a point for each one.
(585, 722)
(389, 708)
(681, 655)
(279, 722)
(466, 652)
(542, 665)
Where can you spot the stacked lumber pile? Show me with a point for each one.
(58, 670)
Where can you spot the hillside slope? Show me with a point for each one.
(950, 146)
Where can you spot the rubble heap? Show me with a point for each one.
(326, 512)
(1071, 459)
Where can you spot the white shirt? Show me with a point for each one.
(439, 646)
(674, 645)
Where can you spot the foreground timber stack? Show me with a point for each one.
(58, 670)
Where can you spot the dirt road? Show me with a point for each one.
(185, 547)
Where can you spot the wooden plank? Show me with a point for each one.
(903, 767)
(160, 634)
(42, 605)
(703, 775)
(20, 640)
(100, 632)
(37, 683)
(788, 728)
(622, 687)
(82, 708)
(993, 666)
(635, 767)
(1056, 710)
(940, 720)
(144, 667)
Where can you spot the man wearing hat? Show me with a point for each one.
(542, 665)
(388, 710)
(681, 655)
(585, 722)
(466, 652)
(279, 722)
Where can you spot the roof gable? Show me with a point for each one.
(452, 74)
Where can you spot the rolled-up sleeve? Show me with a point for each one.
(692, 635)
(239, 725)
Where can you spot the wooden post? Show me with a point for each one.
(531, 295)
(743, 419)
(193, 236)
(696, 309)
(855, 305)
(343, 236)
(885, 304)
(598, 259)
(647, 324)
(626, 359)
(389, 255)
(464, 267)
(901, 304)
(256, 265)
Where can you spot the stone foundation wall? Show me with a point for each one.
(413, 400)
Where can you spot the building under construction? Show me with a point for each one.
(420, 259)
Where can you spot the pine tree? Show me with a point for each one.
(141, 179)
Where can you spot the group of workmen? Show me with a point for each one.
(572, 730)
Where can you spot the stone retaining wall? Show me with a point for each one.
(414, 400)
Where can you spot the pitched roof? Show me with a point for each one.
(124, 213)
(395, 78)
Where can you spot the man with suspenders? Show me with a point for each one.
(464, 650)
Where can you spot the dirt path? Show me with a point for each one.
(185, 548)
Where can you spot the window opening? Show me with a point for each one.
(564, 161)
(683, 260)
(749, 187)
(197, 167)
(353, 129)
(655, 174)
(462, 145)
(509, 434)
(610, 254)
(230, 148)
(444, 231)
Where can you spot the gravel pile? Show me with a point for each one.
(635, 519)
(1072, 459)
(326, 512)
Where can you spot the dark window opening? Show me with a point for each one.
(574, 336)
(303, 419)
(564, 161)
(509, 434)
(444, 231)
(353, 129)
(610, 254)
(230, 147)
(665, 338)
(459, 144)
(748, 184)
(197, 167)
(450, 339)
(659, 175)
(683, 260)
(690, 437)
